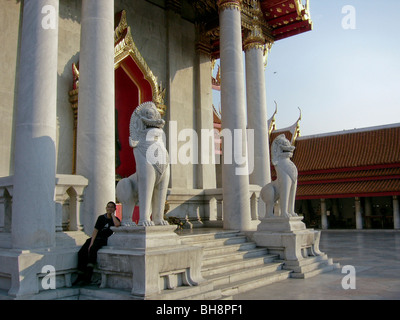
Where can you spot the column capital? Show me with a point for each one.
(254, 38)
(229, 4)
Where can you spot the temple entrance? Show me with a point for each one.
(134, 84)
(131, 89)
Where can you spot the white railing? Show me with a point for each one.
(205, 207)
(68, 197)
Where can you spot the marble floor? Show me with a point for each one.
(375, 256)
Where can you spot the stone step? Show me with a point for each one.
(230, 266)
(310, 262)
(315, 269)
(56, 294)
(208, 295)
(205, 289)
(310, 266)
(234, 256)
(92, 292)
(211, 235)
(254, 282)
(245, 273)
(218, 250)
(210, 243)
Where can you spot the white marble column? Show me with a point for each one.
(396, 213)
(33, 211)
(235, 184)
(96, 134)
(257, 111)
(359, 220)
(324, 217)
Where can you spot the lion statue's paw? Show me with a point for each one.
(146, 223)
(161, 222)
(128, 224)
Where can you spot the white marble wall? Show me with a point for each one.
(69, 33)
(9, 26)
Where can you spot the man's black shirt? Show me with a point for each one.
(103, 225)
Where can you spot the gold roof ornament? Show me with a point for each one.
(271, 121)
(292, 132)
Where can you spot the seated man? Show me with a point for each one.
(87, 255)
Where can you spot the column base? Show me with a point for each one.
(27, 273)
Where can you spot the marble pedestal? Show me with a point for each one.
(288, 237)
(147, 260)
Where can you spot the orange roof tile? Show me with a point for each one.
(349, 189)
(353, 163)
(350, 175)
(348, 150)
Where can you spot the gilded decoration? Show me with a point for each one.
(125, 47)
(255, 29)
(228, 4)
(276, 19)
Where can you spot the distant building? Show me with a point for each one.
(347, 179)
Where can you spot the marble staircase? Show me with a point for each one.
(234, 265)
(311, 266)
(231, 265)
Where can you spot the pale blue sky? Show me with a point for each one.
(341, 79)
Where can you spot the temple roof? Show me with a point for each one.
(364, 162)
(374, 146)
(349, 189)
(279, 19)
(286, 17)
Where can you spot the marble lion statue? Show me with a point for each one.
(148, 186)
(284, 187)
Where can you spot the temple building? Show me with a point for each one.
(73, 73)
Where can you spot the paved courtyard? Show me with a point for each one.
(375, 256)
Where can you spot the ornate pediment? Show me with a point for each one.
(125, 47)
(263, 21)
